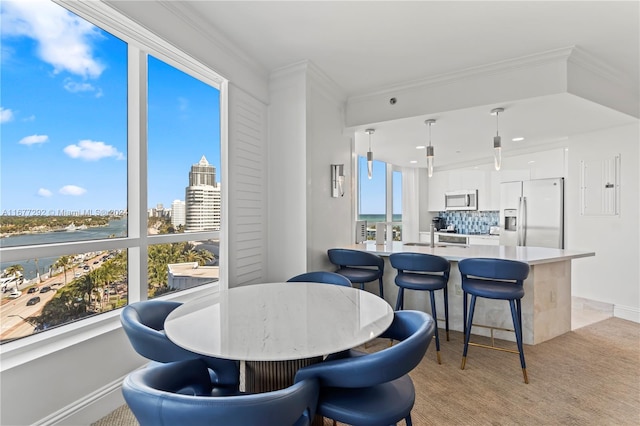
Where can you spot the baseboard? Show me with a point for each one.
(89, 409)
(627, 312)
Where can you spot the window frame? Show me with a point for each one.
(390, 169)
(141, 42)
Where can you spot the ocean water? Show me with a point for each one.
(372, 218)
(116, 227)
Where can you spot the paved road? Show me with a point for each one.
(14, 326)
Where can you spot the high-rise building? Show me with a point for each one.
(202, 198)
(178, 213)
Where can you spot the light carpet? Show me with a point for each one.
(589, 376)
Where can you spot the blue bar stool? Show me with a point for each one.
(494, 279)
(424, 272)
(359, 266)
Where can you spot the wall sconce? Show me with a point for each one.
(337, 180)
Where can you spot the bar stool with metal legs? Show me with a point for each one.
(424, 272)
(359, 266)
(494, 279)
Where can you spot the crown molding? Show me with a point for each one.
(589, 62)
(185, 12)
(105, 15)
(527, 61)
(314, 76)
(325, 84)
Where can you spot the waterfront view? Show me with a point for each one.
(66, 113)
(38, 294)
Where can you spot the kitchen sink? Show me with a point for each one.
(439, 245)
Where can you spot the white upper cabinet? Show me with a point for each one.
(438, 184)
(454, 180)
(538, 165)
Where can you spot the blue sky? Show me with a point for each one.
(63, 116)
(372, 191)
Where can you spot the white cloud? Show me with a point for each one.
(6, 115)
(43, 192)
(75, 87)
(64, 40)
(72, 190)
(33, 139)
(92, 151)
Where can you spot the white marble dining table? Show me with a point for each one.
(276, 328)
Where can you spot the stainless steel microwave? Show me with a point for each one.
(461, 200)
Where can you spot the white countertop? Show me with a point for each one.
(278, 321)
(530, 255)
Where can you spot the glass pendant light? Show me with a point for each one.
(370, 154)
(429, 123)
(497, 141)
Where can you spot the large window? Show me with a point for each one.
(375, 199)
(397, 205)
(100, 205)
(372, 195)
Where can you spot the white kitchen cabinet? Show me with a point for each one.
(472, 179)
(466, 179)
(425, 237)
(485, 240)
(438, 184)
(454, 180)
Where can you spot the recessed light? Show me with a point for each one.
(420, 147)
(518, 139)
(413, 161)
(531, 161)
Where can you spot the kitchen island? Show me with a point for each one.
(546, 306)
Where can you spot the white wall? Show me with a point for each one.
(329, 220)
(286, 159)
(306, 122)
(612, 276)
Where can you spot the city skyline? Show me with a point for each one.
(63, 116)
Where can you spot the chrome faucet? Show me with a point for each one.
(433, 235)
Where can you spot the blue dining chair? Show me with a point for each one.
(322, 277)
(359, 267)
(423, 272)
(494, 279)
(143, 323)
(179, 393)
(371, 389)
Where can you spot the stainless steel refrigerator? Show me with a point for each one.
(532, 213)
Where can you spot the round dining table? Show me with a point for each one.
(276, 328)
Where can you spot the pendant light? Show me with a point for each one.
(429, 123)
(370, 154)
(497, 141)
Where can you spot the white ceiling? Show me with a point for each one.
(365, 47)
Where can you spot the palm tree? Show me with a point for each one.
(63, 262)
(16, 270)
(191, 254)
(84, 286)
(35, 260)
